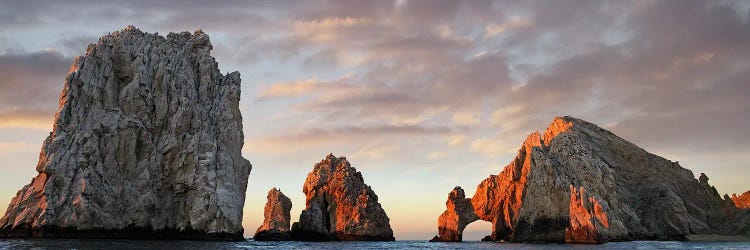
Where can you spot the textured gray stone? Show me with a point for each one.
(146, 144)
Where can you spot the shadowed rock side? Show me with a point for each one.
(578, 183)
(276, 218)
(743, 215)
(741, 201)
(145, 144)
(340, 206)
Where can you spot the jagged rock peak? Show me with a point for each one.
(741, 201)
(276, 220)
(340, 206)
(146, 143)
(579, 183)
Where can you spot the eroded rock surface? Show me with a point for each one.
(453, 221)
(145, 144)
(578, 183)
(340, 206)
(741, 201)
(276, 215)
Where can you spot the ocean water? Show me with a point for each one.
(406, 244)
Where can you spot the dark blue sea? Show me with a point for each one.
(202, 245)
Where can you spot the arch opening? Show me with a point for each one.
(477, 230)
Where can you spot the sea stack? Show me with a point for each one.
(276, 217)
(579, 183)
(340, 206)
(146, 143)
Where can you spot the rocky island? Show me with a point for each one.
(276, 219)
(579, 183)
(145, 144)
(340, 206)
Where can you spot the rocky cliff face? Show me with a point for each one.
(579, 183)
(340, 206)
(146, 144)
(276, 219)
(741, 201)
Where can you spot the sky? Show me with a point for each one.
(420, 96)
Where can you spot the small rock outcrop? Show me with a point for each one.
(340, 206)
(460, 213)
(146, 143)
(276, 216)
(741, 201)
(578, 183)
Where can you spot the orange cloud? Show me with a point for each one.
(26, 119)
(514, 22)
(326, 29)
(492, 147)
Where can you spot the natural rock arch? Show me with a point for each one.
(579, 183)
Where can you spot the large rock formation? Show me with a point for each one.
(741, 201)
(340, 206)
(276, 218)
(579, 183)
(146, 144)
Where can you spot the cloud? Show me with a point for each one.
(30, 89)
(665, 81)
(328, 136)
(375, 151)
(514, 22)
(369, 130)
(326, 29)
(457, 139)
(366, 69)
(436, 155)
(34, 119)
(465, 119)
(9, 148)
(492, 147)
(293, 89)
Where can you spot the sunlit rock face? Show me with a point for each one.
(145, 144)
(454, 220)
(340, 206)
(578, 183)
(741, 201)
(276, 219)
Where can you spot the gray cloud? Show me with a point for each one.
(630, 65)
(32, 81)
(685, 69)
